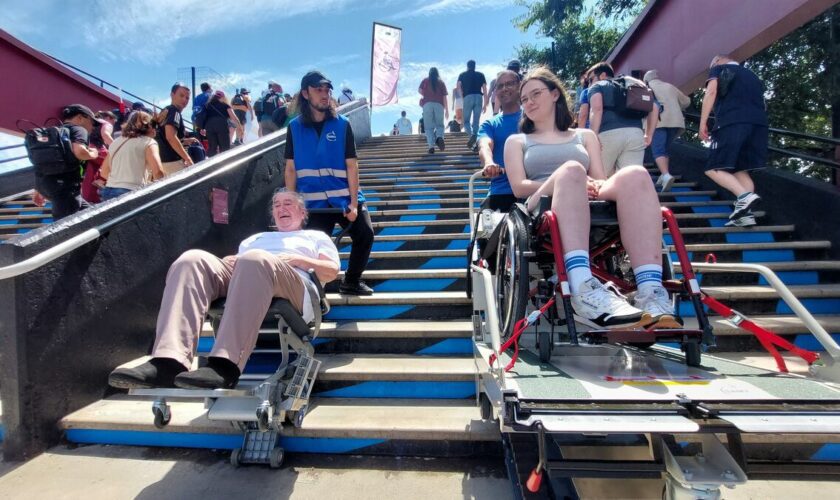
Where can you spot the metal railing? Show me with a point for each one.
(261, 147)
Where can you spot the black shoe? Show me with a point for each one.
(220, 373)
(471, 141)
(355, 288)
(157, 372)
(431, 150)
(440, 144)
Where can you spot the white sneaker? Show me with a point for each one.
(745, 221)
(657, 303)
(598, 307)
(743, 206)
(665, 182)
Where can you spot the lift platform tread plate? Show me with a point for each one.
(613, 373)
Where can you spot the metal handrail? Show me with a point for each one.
(92, 234)
(828, 343)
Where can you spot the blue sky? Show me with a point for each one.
(141, 44)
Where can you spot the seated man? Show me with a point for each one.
(267, 265)
(549, 158)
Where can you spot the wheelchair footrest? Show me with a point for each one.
(640, 336)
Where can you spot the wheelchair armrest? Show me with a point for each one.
(544, 205)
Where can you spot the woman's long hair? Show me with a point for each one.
(304, 108)
(138, 124)
(562, 115)
(434, 78)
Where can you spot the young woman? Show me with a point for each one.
(434, 106)
(550, 158)
(132, 154)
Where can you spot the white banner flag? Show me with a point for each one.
(385, 66)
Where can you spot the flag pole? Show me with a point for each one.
(372, 41)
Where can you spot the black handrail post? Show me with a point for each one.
(192, 71)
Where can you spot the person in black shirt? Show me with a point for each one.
(64, 190)
(473, 86)
(170, 135)
(219, 113)
(739, 139)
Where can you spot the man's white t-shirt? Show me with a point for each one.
(304, 242)
(404, 126)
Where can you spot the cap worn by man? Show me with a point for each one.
(77, 109)
(314, 79)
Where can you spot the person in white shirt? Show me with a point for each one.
(267, 265)
(345, 96)
(403, 125)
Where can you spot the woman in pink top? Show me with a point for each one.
(434, 106)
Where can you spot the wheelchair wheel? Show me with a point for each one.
(511, 274)
(546, 346)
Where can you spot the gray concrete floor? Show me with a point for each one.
(117, 472)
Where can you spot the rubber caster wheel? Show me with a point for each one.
(692, 353)
(485, 406)
(545, 346)
(275, 458)
(161, 418)
(234, 458)
(299, 415)
(262, 419)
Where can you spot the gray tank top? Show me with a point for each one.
(541, 160)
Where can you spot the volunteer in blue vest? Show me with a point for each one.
(321, 165)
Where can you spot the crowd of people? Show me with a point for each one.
(538, 144)
(112, 152)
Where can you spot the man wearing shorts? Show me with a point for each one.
(739, 136)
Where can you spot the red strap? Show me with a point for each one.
(518, 328)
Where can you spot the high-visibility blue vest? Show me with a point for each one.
(319, 164)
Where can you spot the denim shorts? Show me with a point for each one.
(107, 193)
(662, 139)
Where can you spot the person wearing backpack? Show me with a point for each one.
(272, 100)
(60, 181)
(619, 128)
(241, 104)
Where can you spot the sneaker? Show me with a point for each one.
(157, 372)
(220, 373)
(745, 221)
(431, 150)
(665, 182)
(658, 305)
(440, 143)
(354, 288)
(744, 205)
(471, 141)
(598, 307)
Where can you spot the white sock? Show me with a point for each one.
(648, 276)
(577, 268)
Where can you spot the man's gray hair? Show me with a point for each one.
(296, 195)
(720, 59)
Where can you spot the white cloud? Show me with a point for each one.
(147, 31)
(454, 7)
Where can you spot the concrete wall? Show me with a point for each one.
(679, 37)
(65, 325)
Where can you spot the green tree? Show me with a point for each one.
(581, 35)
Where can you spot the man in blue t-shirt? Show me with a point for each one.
(739, 138)
(491, 141)
(201, 99)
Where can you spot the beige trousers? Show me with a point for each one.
(249, 282)
(622, 147)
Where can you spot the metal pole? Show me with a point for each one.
(192, 71)
(372, 40)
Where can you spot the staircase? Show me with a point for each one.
(18, 214)
(398, 375)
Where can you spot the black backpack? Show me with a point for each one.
(630, 99)
(279, 116)
(269, 104)
(50, 150)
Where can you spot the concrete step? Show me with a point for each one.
(396, 329)
(397, 298)
(465, 210)
(735, 247)
(25, 216)
(410, 274)
(744, 292)
(390, 419)
(779, 324)
(395, 367)
(418, 237)
(399, 199)
(799, 265)
(26, 209)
